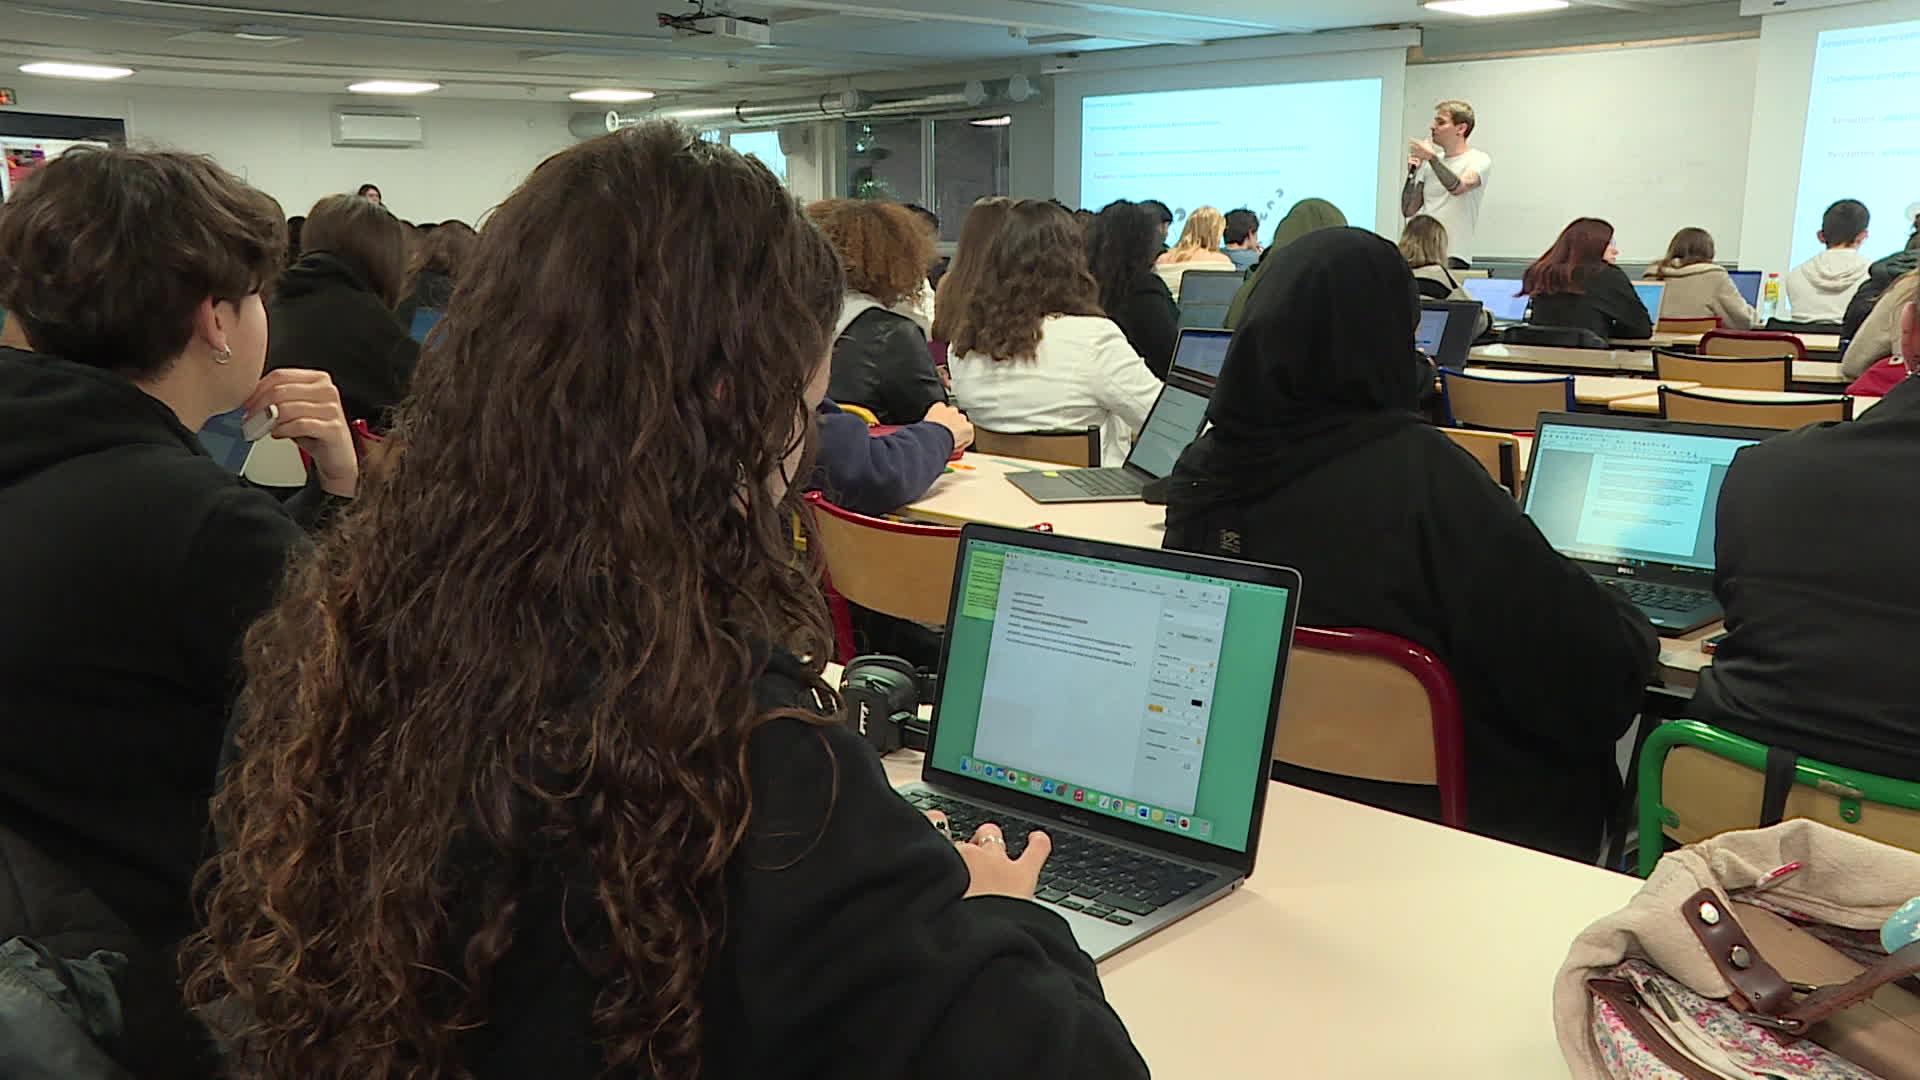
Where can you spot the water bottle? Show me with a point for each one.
(1770, 299)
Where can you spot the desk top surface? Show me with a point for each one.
(976, 489)
(1590, 389)
(1816, 344)
(1650, 403)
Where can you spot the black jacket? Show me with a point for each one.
(325, 317)
(1822, 592)
(848, 950)
(1882, 273)
(1151, 321)
(133, 565)
(1408, 535)
(875, 474)
(881, 362)
(1608, 306)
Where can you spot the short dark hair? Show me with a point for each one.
(106, 253)
(364, 188)
(1159, 210)
(925, 215)
(1241, 224)
(364, 234)
(1843, 222)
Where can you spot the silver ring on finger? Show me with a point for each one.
(989, 838)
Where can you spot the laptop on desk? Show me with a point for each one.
(1175, 421)
(1633, 500)
(1501, 297)
(1748, 282)
(1651, 294)
(1446, 331)
(1201, 354)
(1124, 700)
(1205, 296)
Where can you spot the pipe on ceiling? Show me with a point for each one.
(844, 104)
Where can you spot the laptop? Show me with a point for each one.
(1748, 282)
(1175, 421)
(1501, 297)
(1650, 294)
(1633, 501)
(1122, 699)
(1201, 354)
(1205, 296)
(1446, 331)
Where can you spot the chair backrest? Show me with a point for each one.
(1076, 446)
(1559, 337)
(1698, 781)
(1723, 372)
(860, 411)
(1497, 452)
(1502, 404)
(275, 463)
(1752, 343)
(1701, 325)
(891, 567)
(1704, 408)
(1370, 705)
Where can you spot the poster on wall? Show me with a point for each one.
(23, 155)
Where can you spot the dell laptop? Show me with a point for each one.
(1651, 293)
(1446, 331)
(1121, 699)
(1177, 417)
(1501, 297)
(1201, 354)
(1633, 501)
(1205, 296)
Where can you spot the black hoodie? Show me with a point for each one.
(326, 317)
(133, 565)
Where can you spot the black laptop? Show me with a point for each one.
(1205, 296)
(1633, 501)
(1175, 421)
(1446, 331)
(1200, 354)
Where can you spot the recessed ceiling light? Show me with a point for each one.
(992, 121)
(615, 97)
(1493, 7)
(58, 70)
(393, 86)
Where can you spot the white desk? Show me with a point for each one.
(1649, 404)
(1822, 345)
(1367, 945)
(1550, 358)
(977, 490)
(1590, 389)
(1818, 372)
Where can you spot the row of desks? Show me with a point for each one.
(1813, 374)
(1620, 393)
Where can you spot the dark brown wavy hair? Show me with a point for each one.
(528, 650)
(1035, 266)
(366, 235)
(447, 249)
(883, 246)
(962, 279)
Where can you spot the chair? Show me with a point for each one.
(1370, 705)
(1686, 326)
(1079, 447)
(1725, 373)
(1557, 337)
(1502, 404)
(1698, 781)
(1752, 343)
(1700, 408)
(275, 463)
(891, 567)
(860, 411)
(1496, 452)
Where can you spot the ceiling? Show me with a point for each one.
(521, 49)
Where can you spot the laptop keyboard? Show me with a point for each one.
(1083, 874)
(1647, 594)
(1102, 481)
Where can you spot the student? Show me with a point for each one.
(880, 357)
(954, 298)
(295, 224)
(1447, 177)
(1163, 218)
(1120, 252)
(1698, 287)
(1198, 249)
(369, 192)
(1880, 276)
(134, 563)
(1423, 243)
(333, 310)
(1035, 354)
(1317, 460)
(1818, 289)
(436, 265)
(1242, 238)
(533, 779)
(1576, 284)
(1307, 216)
(1876, 338)
(877, 474)
(920, 307)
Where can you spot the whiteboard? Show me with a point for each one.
(1652, 139)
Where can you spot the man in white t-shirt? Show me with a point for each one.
(1446, 178)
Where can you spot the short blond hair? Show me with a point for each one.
(1459, 112)
(1424, 242)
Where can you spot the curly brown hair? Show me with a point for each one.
(883, 246)
(957, 286)
(1035, 266)
(529, 650)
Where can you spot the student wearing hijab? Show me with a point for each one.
(1307, 216)
(1318, 461)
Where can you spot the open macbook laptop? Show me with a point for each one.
(1748, 282)
(1175, 421)
(1501, 297)
(1633, 501)
(1123, 700)
(1446, 331)
(1201, 354)
(1205, 296)
(1651, 293)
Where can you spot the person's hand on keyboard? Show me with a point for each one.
(993, 873)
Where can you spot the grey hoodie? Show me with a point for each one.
(1818, 289)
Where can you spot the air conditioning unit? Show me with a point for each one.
(722, 30)
(359, 127)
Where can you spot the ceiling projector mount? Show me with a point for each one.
(718, 27)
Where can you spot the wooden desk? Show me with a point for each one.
(977, 490)
(1649, 404)
(1572, 361)
(1824, 345)
(1365, 945)
(1591, 389)
(1817, 373)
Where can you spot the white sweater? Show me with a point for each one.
(1083, 373)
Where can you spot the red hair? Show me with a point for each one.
(1585, 241)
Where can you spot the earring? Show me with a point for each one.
(224, 356)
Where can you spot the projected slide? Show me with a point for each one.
(1863, 134)
(1261, 147)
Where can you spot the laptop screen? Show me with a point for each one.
(1205, 296)
(1431, 331)
(1500, 296)
(1174, 423)
(1202, 352)
(1748, 282)
(1127, 691)
(1650, 293)
(1629, 495)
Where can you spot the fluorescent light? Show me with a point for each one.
(614, 97)
(992, 121)
(393, 86)
(1493, 7)
(56, 69)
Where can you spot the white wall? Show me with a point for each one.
(476, 152)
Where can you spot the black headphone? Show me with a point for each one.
(880, 699)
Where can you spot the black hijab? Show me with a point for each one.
(1323, 364)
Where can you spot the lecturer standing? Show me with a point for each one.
(1447, 178)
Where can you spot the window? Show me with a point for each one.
(970, 162)
(764, 145)
(886, 160)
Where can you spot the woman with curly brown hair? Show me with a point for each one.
(1033, 352)
(533, 780)
(880, 357)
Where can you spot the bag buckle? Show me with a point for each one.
(1783, 1024)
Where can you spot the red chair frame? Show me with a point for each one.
(1781, 336)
